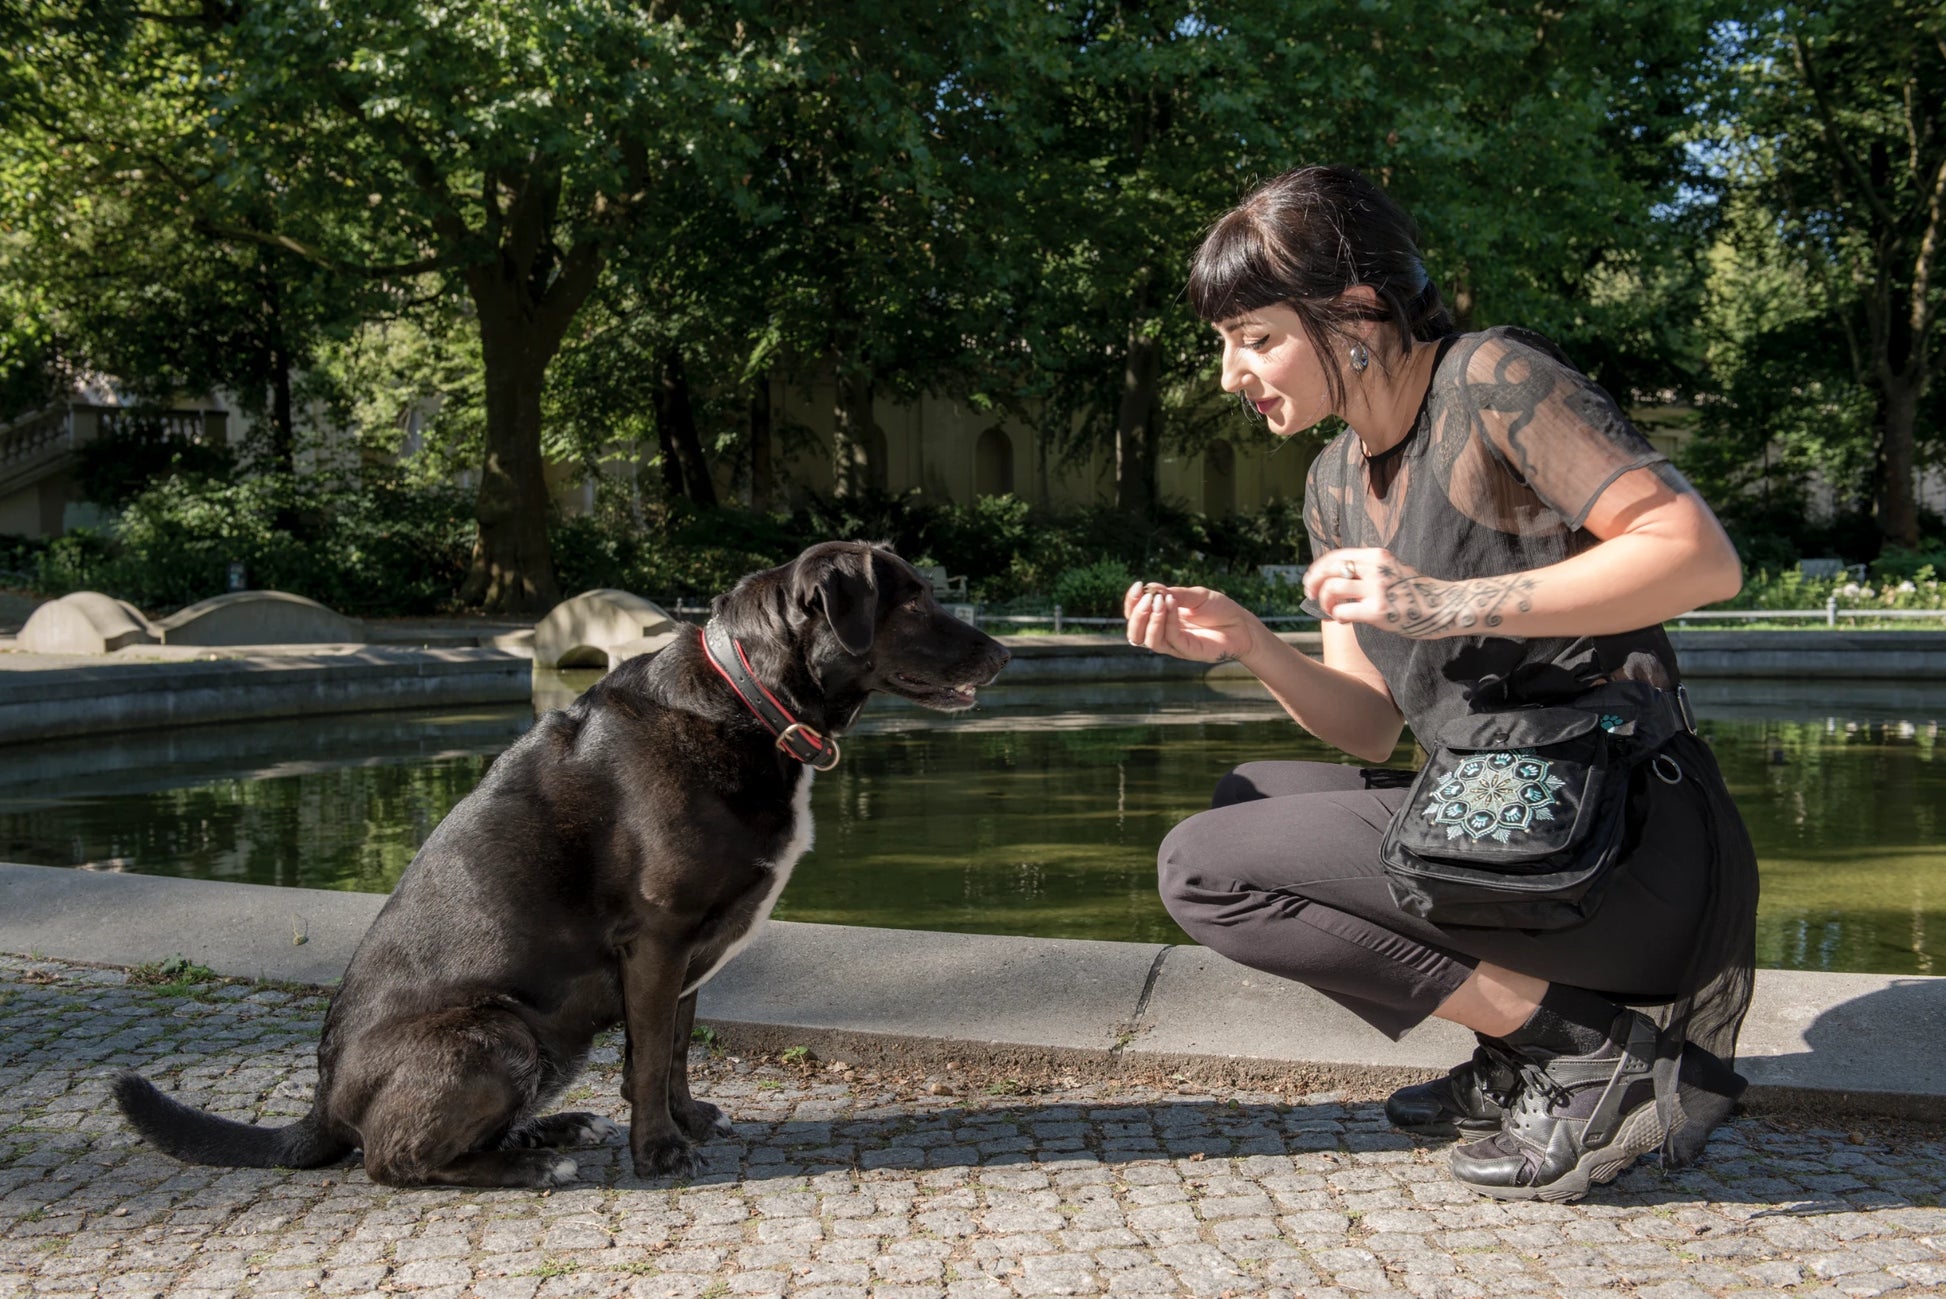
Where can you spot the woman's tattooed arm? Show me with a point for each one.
(1426, 608)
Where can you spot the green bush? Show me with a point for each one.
(1897, 586)
(20, 559)
(382, 549)
(389, 548)
(1093, 591)
(680, 555)
(136, 452)
(1897, 565)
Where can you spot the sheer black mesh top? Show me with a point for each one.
(1510, 450)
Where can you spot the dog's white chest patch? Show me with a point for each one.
(780, 868)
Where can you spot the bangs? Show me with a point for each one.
(1235, 270)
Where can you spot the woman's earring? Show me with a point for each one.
(1361, 359)
(1250, 410)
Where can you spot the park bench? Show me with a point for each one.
(1828, 568)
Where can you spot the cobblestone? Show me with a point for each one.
(843, 1183)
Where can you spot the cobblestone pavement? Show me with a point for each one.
(842, 1183)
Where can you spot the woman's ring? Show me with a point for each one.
(1351, 571)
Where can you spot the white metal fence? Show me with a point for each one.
(1060, 621)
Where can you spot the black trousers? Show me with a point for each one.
(1282, 874)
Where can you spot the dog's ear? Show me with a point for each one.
(843, 584)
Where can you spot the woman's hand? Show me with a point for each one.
(1369, 585)
(1189, 622)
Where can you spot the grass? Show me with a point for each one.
(292, 988)
(176, 975)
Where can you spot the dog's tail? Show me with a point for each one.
(198, 1138)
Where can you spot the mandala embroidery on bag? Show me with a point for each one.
(1495, 794)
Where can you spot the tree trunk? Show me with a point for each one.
(851, 438)
(761, 472)
(673, 487)
(1138, 426)
(525, 297)
(1898, 512)
(513, 565)
(283, 423)
(675, 421)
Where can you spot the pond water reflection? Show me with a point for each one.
(1037, 813)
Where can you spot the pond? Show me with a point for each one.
(1037, 813)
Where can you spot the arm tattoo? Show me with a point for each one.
(1424, 607)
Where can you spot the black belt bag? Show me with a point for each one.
(1520, 814)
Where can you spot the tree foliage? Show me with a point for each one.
(595, 231)
(1837, 133)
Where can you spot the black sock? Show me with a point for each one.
(1569, 1021)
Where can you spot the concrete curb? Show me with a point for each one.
(51, 696)
(1854, 1043)
(45, 697)
(1891, 655)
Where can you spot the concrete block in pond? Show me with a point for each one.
(85, 622)
(600, 628)
(259, 618)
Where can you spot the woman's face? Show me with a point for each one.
(1269, 359)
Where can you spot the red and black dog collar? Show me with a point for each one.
(725, 654)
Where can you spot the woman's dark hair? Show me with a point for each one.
(1300, 241)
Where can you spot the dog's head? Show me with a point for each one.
(886, 629)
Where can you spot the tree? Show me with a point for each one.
(109, 202)
(506, 147)
(854, 215)
(1837, 127)
(1540, 148)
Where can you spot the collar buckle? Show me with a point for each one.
(797, 736)
(794, 739)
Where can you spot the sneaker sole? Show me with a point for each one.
(1639, 1134)
(1472, 1130)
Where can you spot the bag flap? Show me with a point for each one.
(1521, 728)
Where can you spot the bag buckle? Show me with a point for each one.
(1683, 710)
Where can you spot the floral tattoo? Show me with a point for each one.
(1425, 607)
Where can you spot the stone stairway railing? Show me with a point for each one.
(35, 446)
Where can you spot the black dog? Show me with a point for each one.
(608, 864)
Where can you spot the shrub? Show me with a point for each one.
(137, 451)
(1898, 587)
(1093, 591)
(20, 559)
(1897, 565)
(681, 556)
(383, 549)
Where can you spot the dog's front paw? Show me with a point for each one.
(701, 1120)
(570, 1129)
(671, 1158)
(594, 1130)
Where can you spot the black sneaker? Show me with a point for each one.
(1578, 1121)
(1468, 1101)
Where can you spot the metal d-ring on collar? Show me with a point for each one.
(810, 747)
